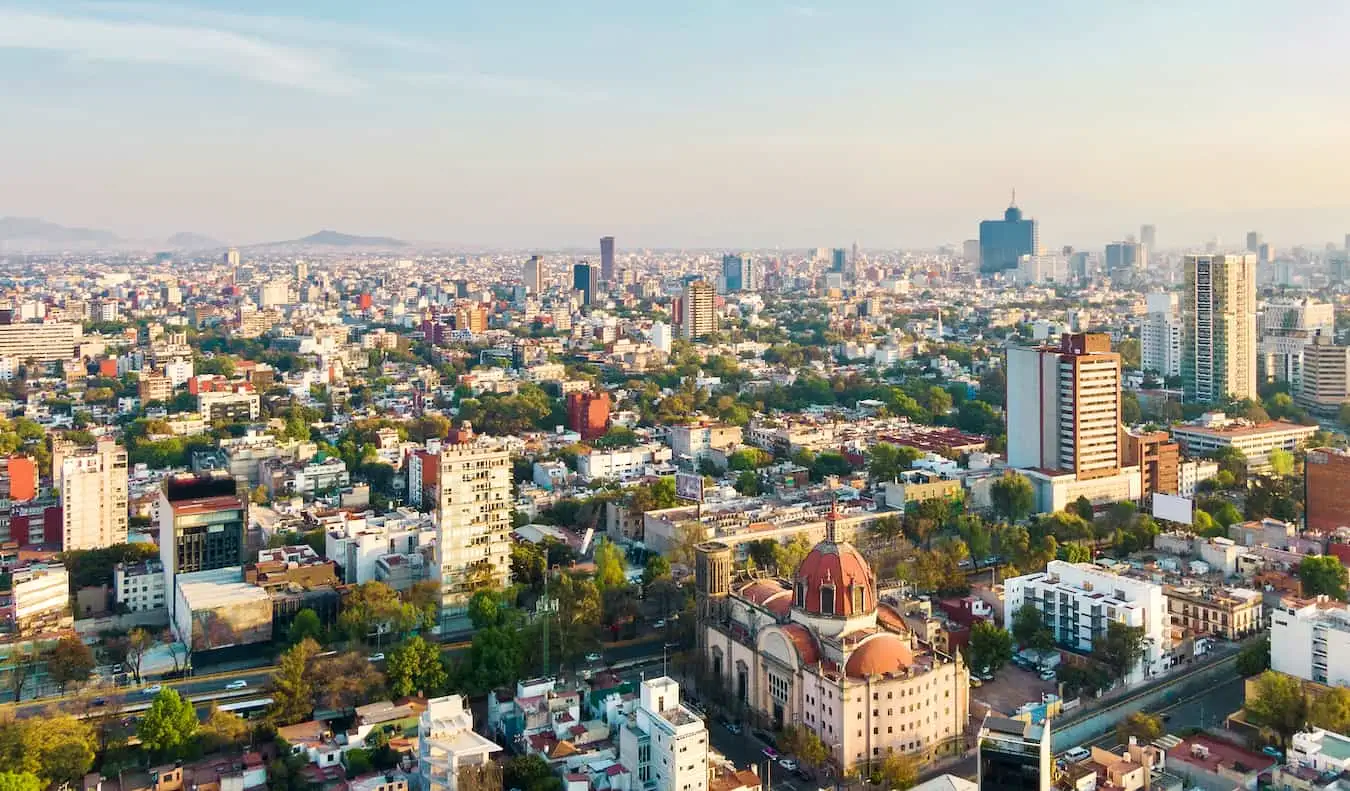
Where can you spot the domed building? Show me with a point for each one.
(818, 650)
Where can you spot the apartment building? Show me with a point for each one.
(665, 744)
(1219, 327)
(692, 443)
(41, 599)
(1327, 488)
(1311, 640)
(93, 485)
(44, 342)
(1160, 335)
(1230, 613)
(139, 587)
(1078, 600)
(621, 463)
(1326, 376)
(1064, 407)
(447, 743)
(472, 506)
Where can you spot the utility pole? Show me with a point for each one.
(548, 609)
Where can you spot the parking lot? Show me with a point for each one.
(1012, 686)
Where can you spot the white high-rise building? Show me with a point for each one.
(473, 521)
(1219, 325)
(274, 294)
(661, 336)
(1312, 642)
(447, 743)
(699, 310)
(1064, 407)
(1286, 327)
(1079, 599)
(532, 273)
(1160, 335)
(665, 744)
(93, 484)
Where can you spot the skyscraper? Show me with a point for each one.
(1160, 335)
(1125, 259)
(607, 259)
(583, 280)
(1003, 242)
(93, 484)
(232, 258)
(838, 259)
(472, 509)
(531, 274)
(1148, 236)
(1253, 241)
(1014, 755)
(698, 310)
(733, 272)
(202, 522)
(1064, 407)
(1219, 323)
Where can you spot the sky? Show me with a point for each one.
(698, 123)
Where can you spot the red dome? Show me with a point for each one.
(879, 655)
(834, 579)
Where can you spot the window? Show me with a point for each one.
(858, 603)
(801, 593)
(827, 600)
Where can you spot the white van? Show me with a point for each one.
(1076, 755)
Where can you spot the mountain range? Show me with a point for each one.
(31, 232)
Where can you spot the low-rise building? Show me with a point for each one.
(1215, 430)
(139, 587)
(1323, 751)
(914, 486)
(665, 744)
(621, 463)
(1231, 613)
(41, 599)
(218, 609)
(447, 743)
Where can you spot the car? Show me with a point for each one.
(789, 764)
(1273, 752)
(986, 676)
(237, 684)
(975, 682)
(593, 657)
(98, 702)
(770, 753)
(734, 727)
(1047, 675)
(1165, 716)
(1077, 754)
(377, 657)
(153, 689)
(661, 624)
(117, 668)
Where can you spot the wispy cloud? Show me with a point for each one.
(184, 45)
(504, 85)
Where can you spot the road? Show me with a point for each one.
(1207, 709)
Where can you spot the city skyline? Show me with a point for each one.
(532, 126)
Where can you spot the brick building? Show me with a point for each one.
(1327, 480)
(1158, 459)
(588, 413)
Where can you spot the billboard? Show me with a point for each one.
(236, 623)
(689, 486)
(1172, 508)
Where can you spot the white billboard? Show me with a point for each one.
(1172, 508)
(689, 486)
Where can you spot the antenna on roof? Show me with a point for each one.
(1013, 202)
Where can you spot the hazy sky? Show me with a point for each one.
(716, 123)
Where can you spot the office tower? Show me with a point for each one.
(1219, 321)
(1284, 328)
(93, 484)
(274, 294)
(1160, 335)
(838, 259)
(1326, 375)
(752, 273)
(583, 280)
(1124, 260)
(607, 259)
(45, 342)
(232, 258)
(532, 274)
(202, 525)
(733, 272)
(698, 310)
(472, 509)
(1003, 242)
(661, 336)
(1253, 241)
(1148, 236)
(1053, 268)
(665, 744)
(1064, 407)
(970, 250)
(1014, 755)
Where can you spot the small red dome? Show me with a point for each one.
(879, 655)
(834, 580)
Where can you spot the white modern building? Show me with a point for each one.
(621, 463)
(93, 485)
(446, 743)
(1078, 600)
(139, 587)
(1321, 751)
(665, 744)
(692, 443)
(1312, 642)
(1215, 430)
(357, 543)
(472, 505)
(1160, 335)
(41, 595)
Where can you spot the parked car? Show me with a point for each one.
(975, 681)
(377, 657)
(1077, 754)
(1273, 752)
(592, 657)
(98, 702)
(734, 727)
(1047, 675)
(154, 689)
(661, 624)
(237, 684)
(788, 763)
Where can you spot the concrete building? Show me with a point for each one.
(1014, 756)
(93, 484)
(1160, 335)
(588, 413)
(1327, 489)
(664, 745)
(139, 587)
(1219, 326)
(698, 310)
(202, 524)
(1157, 457)
(447, 744)
(692, 443)
(219, 609)
(1322, 751)
(1285, 326)
(1003, 242)
(1311, 640)
(41, 599)
(228, 406)
(1064, 407)
(1215, 430)
(1230, 613)
(1079, 599)
(621, 463)
(44, 342)
(1325, 376)
(532, 274)
(472, 506)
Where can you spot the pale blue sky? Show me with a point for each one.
(715, 123)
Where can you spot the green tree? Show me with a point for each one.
(1331, 710)
(788, 556)
(70, 660)
(803, 742)
(886, 461)
(658, 567)
(1254, 658)
(306, 625)
(374, 608)
(1083, 507)
(609, 565)
(1029, 629)
(1120, 649)
(57, 748)
(485, 609)
(223, 730)
(292, 689)
(1013, 496)
(1141, 725)
(990, 647)
(170, 725)
(1278, 704)
(1075, 553)
(897, 771)
(1281, 462)
(1322, 575)
(530, 773)
(21, 781)
(415, 666)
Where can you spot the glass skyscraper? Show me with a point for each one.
(1003, 242)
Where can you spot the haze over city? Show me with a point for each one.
(680, 125)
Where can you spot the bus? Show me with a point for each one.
(248, 709)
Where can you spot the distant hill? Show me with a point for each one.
(187, 240)
(328, 238)
(31, 230)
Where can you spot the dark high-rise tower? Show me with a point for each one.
(1148, 236)
(1003, 242)
(583, 280)
(733, 272)
(607, 259)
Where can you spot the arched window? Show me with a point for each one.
(859, 599)
(827, 600)
(801, 593)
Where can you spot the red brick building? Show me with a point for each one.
(1327, 478)
(588, 413)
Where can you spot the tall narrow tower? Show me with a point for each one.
(1218, 355)
(713, 566)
